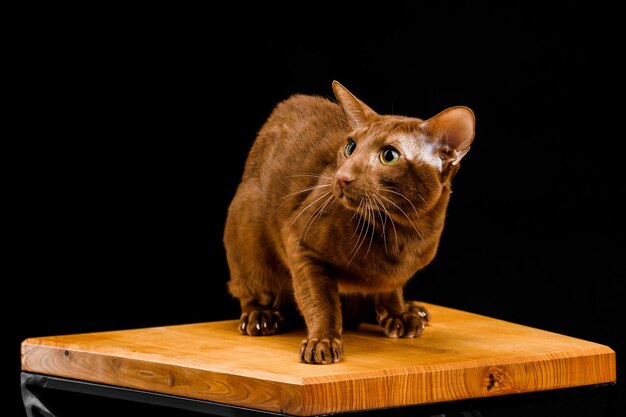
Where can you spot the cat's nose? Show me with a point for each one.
(343, 180)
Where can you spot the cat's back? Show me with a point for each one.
(298, 134)
(302, 113)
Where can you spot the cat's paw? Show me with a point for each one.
(323, 350)
(260, 322)
(410, 323)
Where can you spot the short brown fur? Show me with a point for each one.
(317, 223)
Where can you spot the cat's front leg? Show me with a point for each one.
(317, 296)
(258, 320)
(398, 318)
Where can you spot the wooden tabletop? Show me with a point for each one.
(460, 355)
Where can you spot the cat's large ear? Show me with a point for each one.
(452, 131)
(356, 111)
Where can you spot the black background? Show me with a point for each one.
(132, 125)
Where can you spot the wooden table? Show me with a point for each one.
(460, 356)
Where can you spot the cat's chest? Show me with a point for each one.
(378, 270)
(373, 262)
(372, 278)
(366, 256)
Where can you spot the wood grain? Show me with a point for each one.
(461, 355)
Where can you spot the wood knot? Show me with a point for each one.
(497, 380)
(146, 374)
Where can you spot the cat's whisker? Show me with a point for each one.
(311, 220)
(425, 202)
(372, 220)
(406, 198)
(327, 177)
(292, 195)
(390, 187)
(316, 215)
(314, 187)
(307, 207)
(383, 221)
(405, 215)
(356, 213)
(393, 189)
(362, 236)
(363, 222)
(393, 224)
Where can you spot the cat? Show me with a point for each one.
(338, 205)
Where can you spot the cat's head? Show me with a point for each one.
(398, 164)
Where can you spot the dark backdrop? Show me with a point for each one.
(133, 125)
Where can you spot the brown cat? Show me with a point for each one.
(337, 199)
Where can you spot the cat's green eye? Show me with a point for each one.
(389, 156)
(350, 147)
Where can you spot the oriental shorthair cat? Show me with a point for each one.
(337, 209)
